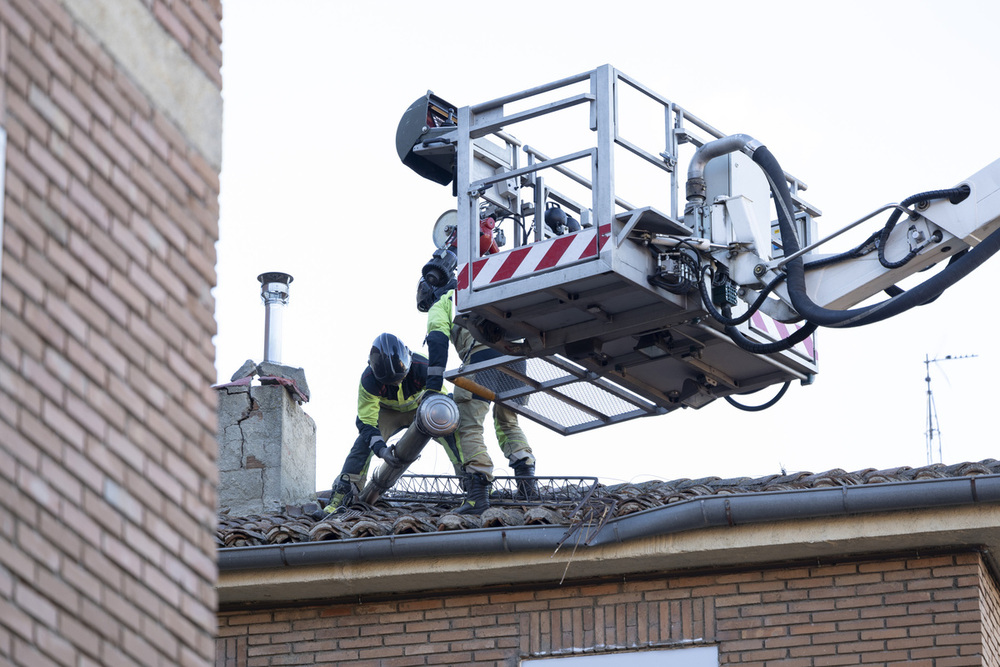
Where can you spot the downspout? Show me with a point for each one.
(698, 513)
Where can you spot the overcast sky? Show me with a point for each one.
(867, 102)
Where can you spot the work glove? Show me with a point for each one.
(389, 456)
(386, 453)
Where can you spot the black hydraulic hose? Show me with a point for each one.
(890, 224)
(770, 348)
(895, 290)
(854, 253)
(935, 285)
(817, 314)
(706, 299)
(757, 408)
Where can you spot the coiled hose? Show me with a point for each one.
(706, 299)
(730, 323)
(954, 194)
(890, 307)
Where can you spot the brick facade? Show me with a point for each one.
(933, 610)
(989, 606)
(107, 419)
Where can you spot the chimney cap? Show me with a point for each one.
(274, 277)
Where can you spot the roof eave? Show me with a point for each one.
(711, 531)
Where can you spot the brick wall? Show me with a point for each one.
(989, 610)
(107, 421)
(919, 611)
(196, 26)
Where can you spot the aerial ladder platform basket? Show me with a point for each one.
(602, 300)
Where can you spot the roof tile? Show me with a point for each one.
(295, 523)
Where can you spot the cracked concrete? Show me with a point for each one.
(267, 449)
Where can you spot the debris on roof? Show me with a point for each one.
(267, 372)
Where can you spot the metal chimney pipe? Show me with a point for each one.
(437, 416)
(274, 293)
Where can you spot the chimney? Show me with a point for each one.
(274, 293)
(267, 443)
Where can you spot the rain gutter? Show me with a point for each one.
(696, 513)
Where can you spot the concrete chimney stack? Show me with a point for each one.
(267, 443)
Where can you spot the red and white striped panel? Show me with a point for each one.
(552, 253)
(776, 331)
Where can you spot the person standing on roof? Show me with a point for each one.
(388, 395)
(472, 409)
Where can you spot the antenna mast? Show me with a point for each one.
(932, 418)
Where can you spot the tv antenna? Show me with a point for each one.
(932, 419)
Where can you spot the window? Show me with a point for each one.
(690, 656)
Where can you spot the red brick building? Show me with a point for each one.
(875, 567)
(112, 113)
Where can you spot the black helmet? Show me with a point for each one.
(425, 295)
(558, 221)
(389, 359)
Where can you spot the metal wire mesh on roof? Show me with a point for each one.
(549, 491)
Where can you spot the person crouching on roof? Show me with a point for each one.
(388, 395)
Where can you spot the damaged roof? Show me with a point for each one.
(295, 524)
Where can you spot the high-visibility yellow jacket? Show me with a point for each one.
(373, 396)
(441, 328)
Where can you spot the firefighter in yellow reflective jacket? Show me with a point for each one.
(388, 395)
(472, 409)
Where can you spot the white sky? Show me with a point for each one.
(867, 102)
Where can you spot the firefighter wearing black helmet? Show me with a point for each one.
(390, 390)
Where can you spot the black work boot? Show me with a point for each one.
(477, 496)
(341, 496)
(527, 485)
